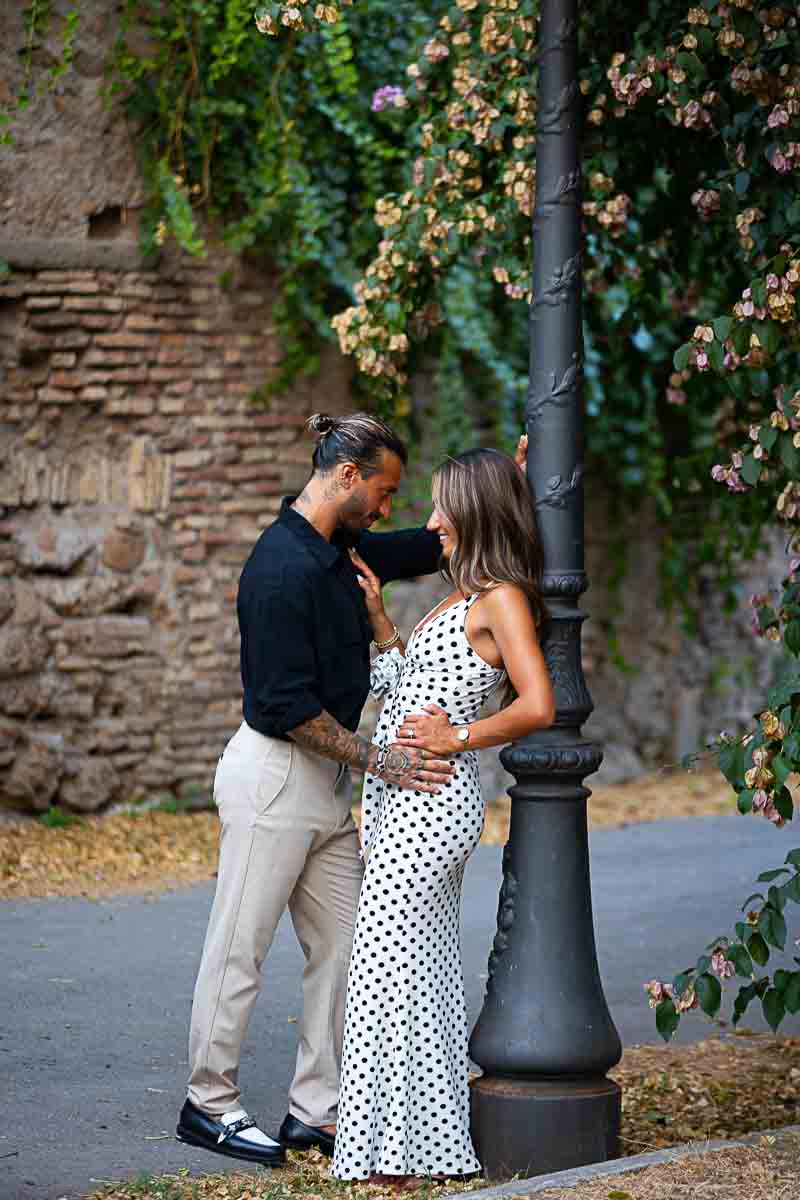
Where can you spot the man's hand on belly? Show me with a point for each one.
(400, 765)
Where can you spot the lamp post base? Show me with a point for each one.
(531, 1127)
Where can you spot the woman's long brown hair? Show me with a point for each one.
(485, 496)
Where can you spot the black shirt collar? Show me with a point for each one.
(327, 552)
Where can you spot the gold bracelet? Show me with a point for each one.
(389, 642)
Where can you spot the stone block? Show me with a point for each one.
(26, 697)
(51, 395)
(124, 549)
(42, 303)
(22, 650)
(104, 304)
(142, 320)
(27, 605)
(98, 321)
(34, 778)
(7, 599)
(204, 612)
(67, 379)
(51, 320)
(123, 340)
(107, 637)
(131, 406)
(53, 547)
(91, 783)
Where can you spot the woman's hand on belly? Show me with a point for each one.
(431, 731)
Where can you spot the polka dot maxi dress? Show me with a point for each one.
(404, 1102)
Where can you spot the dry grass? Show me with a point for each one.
(769, 1171)
(720, 1088)
(153, 850)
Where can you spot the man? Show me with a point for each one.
(282, 785)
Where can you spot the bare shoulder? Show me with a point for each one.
(503, 603)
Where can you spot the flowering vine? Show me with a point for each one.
(728, 81)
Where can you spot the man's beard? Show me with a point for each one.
(354, 517)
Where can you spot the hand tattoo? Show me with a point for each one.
(400, 765)
(397, 761)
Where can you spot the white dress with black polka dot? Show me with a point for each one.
(404, 1102)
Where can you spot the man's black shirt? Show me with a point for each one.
(305, 632)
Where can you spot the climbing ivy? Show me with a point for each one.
(38, 21)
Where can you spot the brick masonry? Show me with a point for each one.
(136, 472)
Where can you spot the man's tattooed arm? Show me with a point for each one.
(401, 765)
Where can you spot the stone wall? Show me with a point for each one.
(135, 475)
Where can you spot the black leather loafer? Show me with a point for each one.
(299, 1136)
(197, 1128)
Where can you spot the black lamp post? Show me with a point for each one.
(545, 1038)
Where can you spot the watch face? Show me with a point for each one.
(463, 734)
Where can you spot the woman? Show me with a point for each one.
(404, 1105)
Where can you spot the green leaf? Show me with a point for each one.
(744, 996)
(782, 800)
(722, 327)
(790, 456)
(772, 927)
(742, 182)
(731, 761)
(792, 889)
(791, 995)
(767, 436)
(769, 335)
(681, 982)
(758, 949)
(751, 470)
(768, 876)
(791, 637)
(741, 343)
(781, 980)
(777, 899)
(667, 1018)
(741, 960)
(680, 359)
(709, 993)
(744, 801)
(716, 355)
(793, 858)
(781, 769)
(773, 1008)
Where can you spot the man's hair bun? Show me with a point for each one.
(321, 423)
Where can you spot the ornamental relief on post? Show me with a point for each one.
(565, 32)
(506, 912)
(563, 284)
(559, 489)
(560, 393)
(550, 116)
(561, 650)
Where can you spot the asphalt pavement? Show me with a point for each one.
(95, 996)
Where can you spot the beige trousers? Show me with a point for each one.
(287, 838)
